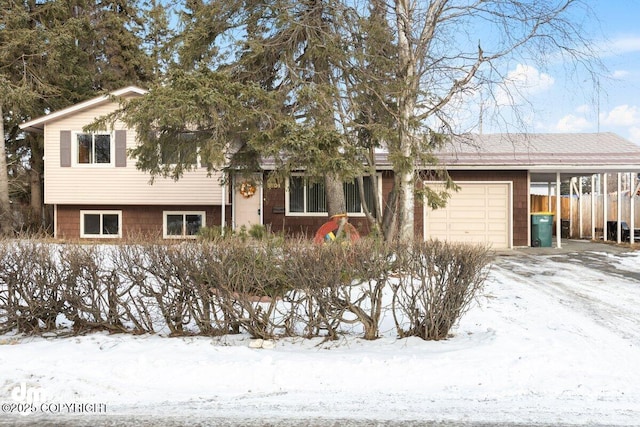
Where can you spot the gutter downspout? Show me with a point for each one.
(223, 216)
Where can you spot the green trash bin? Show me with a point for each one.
(541, 229)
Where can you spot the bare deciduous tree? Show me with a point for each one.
(446, 49)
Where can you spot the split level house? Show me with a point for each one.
(98, 193)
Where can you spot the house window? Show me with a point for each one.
(179, 225)
(92, 149)
(182, 149)
(101, 224)
(308, 198)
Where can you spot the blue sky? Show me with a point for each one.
(611, 104)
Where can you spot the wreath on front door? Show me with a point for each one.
(247, 189)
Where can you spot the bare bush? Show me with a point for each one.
(439, 282)
(315, 273)
(168, 282)
(247, 282)
(32, 296)
(267, 288)
(95, 293)
(131, 263)
(8, 319)
(365, 267)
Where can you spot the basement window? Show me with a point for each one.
(182, 225)
(100, 224)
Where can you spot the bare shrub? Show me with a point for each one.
(438, 282)
(169, 281)
(267, 288)
(338, 284)
(364, 270)
(216, 307)
(200, 302)
(32, 296)
(93, 289)
(315, 273)
(8, 319)
(247, 282)
(132, 263)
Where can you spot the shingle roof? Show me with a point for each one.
(543, 154)
(541, 150)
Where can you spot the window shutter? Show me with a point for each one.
(65, 148)
(121, 148)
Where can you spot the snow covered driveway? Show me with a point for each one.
(602, 288)
(553, 340)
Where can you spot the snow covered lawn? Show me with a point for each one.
(552, 340)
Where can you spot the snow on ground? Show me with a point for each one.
(552, 340)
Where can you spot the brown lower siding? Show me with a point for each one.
(137, 221)
(274, 204)
(147, 220)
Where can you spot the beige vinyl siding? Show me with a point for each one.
(88, 184)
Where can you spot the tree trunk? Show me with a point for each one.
(6, 223)
(390, 219)
(406, 205)
(336, 203)
(35, 181)
(406, 111)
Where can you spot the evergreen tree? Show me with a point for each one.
(56, 53)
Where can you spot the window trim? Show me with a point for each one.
(83, 235)
(322, 214)
(74, 150)
(165, 235)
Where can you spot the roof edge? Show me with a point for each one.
(37, 124)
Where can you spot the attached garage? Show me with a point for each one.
(480, 212)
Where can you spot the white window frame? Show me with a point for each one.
(101, 213)
(75, 151)
(316, 214)
(165, 235)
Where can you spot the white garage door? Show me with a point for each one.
(478, 213)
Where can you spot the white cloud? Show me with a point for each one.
(620, 74)
(622, 115)
(619, 46)
(623, 45)
(572, 123)
(584, 109)
(523, 82)
(634, 134)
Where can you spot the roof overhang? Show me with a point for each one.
(37, 125)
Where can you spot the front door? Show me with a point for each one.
(247, 204)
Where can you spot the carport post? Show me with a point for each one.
(632, 208)
(578, 192)
(558, 213)
(619, 209)
(571, 184)
(580, 234)
(605, 207)
(593, 207)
